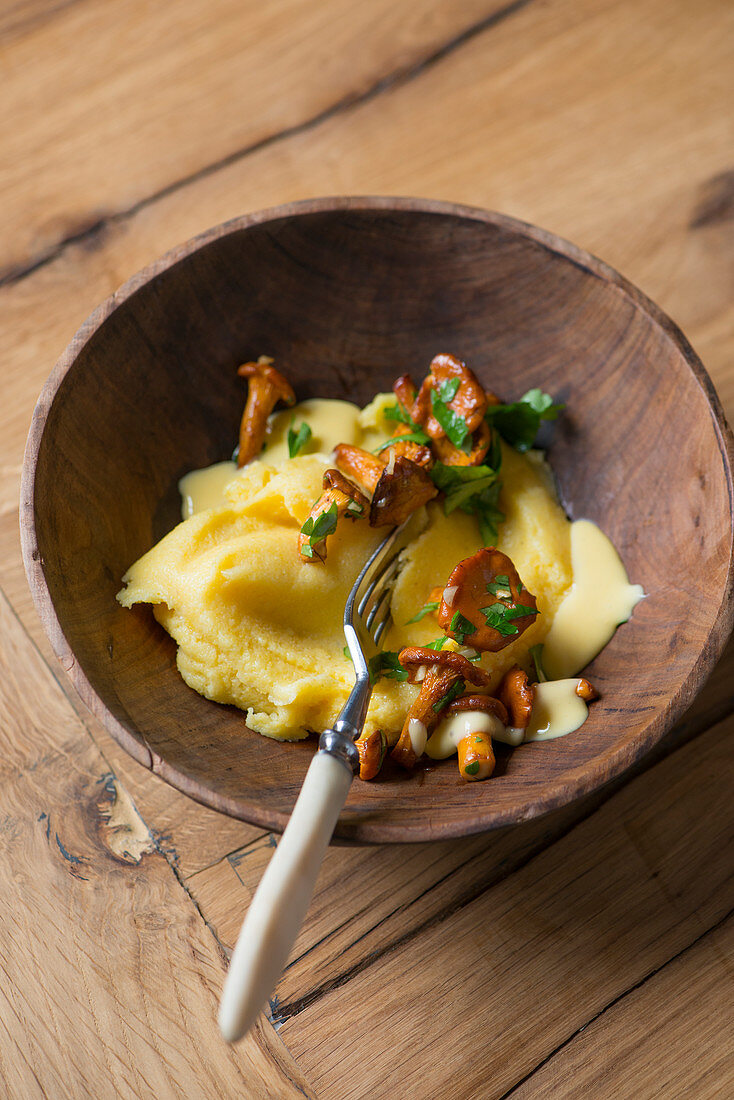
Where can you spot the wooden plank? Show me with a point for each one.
(670, 1037)
(644, 217)
(112, 103)
(518, 969)
(110, 977)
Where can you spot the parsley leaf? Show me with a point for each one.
(418, 436)
(460, 627)
(456, 689)
(536, 652)
(475, 490)
(455, 426)
(499, 586)
(317, 529)
(397, 412)
(298, 439)
(386, 664)
(447, 390)
(437, 644)
(355, 509)
(473, 768)
(499, 616)
(518, 423)
(427, 608)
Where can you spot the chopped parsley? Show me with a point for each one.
(418, 436)
(317, 529)
(455, 426)
(500, 617)
(298, 439)
(448, 390)
(536, 652)
(397, 412)
(518, 423)
(355, 509)
(455, 689)
(500, 586)
(475, 490)
(386, 664)
(437, 644)
(460, 627)
(473, 768)
(432, 605)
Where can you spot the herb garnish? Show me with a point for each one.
(475, 490)
(499, 616)
(418, 436)
(386, 664)
(500, 586)
(518, 423)
(437, 643)
(460, 627)
(536, 652)
(432, 605)
(355, 509)
(473, 768)
(317, 529)
(455, 426)
(456, 689)
(298, 439)
(397, 412)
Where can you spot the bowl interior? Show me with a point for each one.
(345, 299)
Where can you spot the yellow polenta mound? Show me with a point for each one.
(258, 627)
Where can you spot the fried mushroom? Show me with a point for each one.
(490, 607)
(442, 675)
(266, 387)
(340, 498)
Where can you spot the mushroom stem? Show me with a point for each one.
(266, 387)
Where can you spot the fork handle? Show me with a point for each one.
(277, 910)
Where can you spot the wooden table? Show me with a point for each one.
(588, 954)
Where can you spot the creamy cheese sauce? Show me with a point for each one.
(202, 489)
(600, 598)
(557, 710)
(330, 422)
(444, 740)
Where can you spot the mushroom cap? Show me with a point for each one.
(266, 372)
(399, 492)
(412, 657)
(486, 703)
(470, 580)
(469, 402)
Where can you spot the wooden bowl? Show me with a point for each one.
(347, 294)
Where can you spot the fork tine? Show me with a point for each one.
(381, 626)
(380, 578)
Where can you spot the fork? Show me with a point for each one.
(277, 910)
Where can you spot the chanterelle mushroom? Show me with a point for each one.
(450, 381)
(518, 695)
(339, 498)
(490, 607)
(442, 676)
(403, 487)
(371, 748)
(475, 752)
(266, 387)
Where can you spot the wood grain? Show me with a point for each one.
(607, 121)
(124, 975)
(671, 1036)
(199, 88)
(531, 960)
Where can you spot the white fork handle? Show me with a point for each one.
(277, 910)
